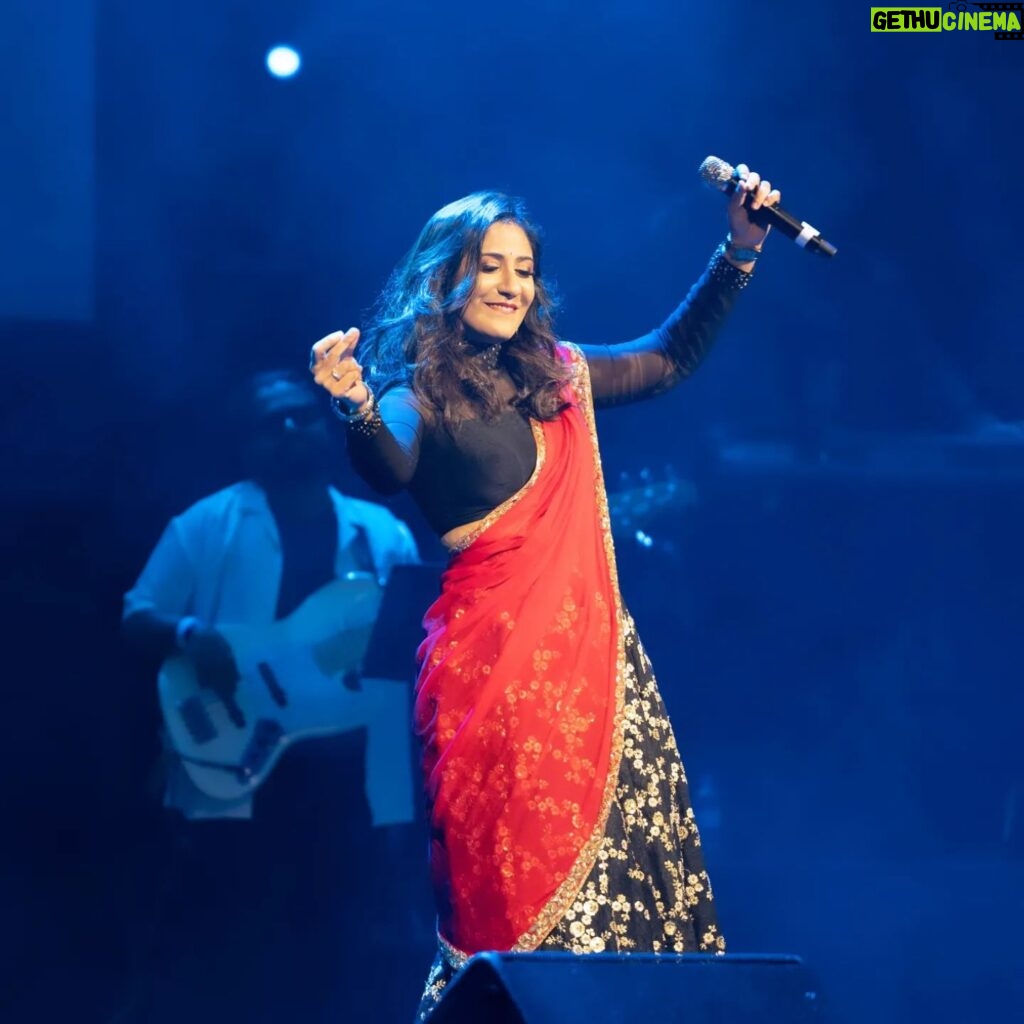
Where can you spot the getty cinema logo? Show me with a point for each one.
(1002, 19)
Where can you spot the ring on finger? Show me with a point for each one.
(335, 375)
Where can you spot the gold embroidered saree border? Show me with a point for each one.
(455, 957)
(509, 503)
(564, 896)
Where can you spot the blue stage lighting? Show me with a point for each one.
(283, 61)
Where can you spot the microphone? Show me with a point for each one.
(722, 177)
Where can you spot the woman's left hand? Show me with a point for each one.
(751, 194)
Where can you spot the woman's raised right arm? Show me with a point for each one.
(383, 437)
(385, 448)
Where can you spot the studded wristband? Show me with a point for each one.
(365, 421)
(725, 273)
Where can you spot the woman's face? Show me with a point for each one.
(505, 287)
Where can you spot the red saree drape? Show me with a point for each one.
(519, 699)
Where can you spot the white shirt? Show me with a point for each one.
(221, 561)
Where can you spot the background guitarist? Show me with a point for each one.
(260, 901)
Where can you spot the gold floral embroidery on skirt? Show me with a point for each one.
(648, 891)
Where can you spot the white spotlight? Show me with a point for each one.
(283, 61)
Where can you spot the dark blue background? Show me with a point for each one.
(836, 629)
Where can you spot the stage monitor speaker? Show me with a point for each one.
(638, 988)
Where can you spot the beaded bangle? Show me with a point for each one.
(369, 424)
(365, 421)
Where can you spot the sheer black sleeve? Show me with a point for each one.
(387, 459)
(651, 364)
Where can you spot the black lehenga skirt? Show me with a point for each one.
(648, 891)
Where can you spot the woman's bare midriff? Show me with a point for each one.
(453, 538)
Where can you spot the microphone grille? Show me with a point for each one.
(716, 173)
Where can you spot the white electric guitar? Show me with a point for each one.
(298, 679)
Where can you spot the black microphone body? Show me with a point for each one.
(719, 175)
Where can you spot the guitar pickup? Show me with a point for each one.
(266, 736)
(277, 694)
(197, 720)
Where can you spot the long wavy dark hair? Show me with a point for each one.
(416, 335)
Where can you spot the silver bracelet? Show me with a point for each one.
(366, 421)
(360, 414)
(738, 252)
